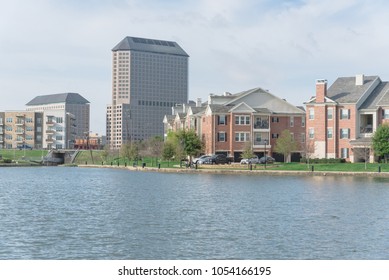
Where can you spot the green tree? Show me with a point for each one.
(189, 142)
(285, 144)
(130, 151)
(247, 150)
(381, 141)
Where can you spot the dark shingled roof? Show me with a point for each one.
(378, 97)
(344, 90)
(150, 45)
(69, 98)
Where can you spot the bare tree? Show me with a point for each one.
(308, 149)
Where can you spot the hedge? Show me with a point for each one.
(323, 160)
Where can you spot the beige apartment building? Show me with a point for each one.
(21, 129)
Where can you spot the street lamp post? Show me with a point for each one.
(265, 154)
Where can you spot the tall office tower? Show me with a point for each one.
(148, 78)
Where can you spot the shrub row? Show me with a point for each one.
(323, 160)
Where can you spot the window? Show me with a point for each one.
(329, 133)
(8, 128)
(385, 114)
(330, 113)
(242, 136)
(344, 133)
(302, 121)
(274, 135)
(59, 137)
(222, 119)
(344, 152)
(311, 133)
(222, 137)
(29, 120)
(291, 121)
(302, 137)
(275, 119)
(59, 120)
(8, 119)
(241, 120)
(311, 114)
(59, 128)
(344, 114)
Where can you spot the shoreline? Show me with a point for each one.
(242, 172)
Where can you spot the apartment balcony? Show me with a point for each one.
(50, 131)
(50, 122)
(264, 125)
(50, 140)
(261, 144)
(20, 123)
(20, 132)
(20, 141)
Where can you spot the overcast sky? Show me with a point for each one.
(56, 46)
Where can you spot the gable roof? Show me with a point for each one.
(69, 98)
(242, 107)
(263, 99)
(379, 97)
(344, 89)
(149, 45)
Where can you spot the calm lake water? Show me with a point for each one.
(77, 213)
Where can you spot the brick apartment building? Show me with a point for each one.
(342, 119)
(228, 123)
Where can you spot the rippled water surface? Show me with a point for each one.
(75, 213)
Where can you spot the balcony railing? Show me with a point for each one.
(19, 132)
(366, 129)
(261, 143)
(50, 131)
(19, 123)
(50, 140)
(261, 125)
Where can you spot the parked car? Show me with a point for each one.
(24, 147)
(220, 159)
(266, 159)
(202, 160)
(253, 160)
(195, 160)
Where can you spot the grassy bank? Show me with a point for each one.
(96, 157)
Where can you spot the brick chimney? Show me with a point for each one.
(321, 90)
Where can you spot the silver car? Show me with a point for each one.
(201, 160)
(253, 160)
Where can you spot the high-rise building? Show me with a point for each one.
(66, 116)
(148, 78)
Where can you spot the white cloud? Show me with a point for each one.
(57, 46)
